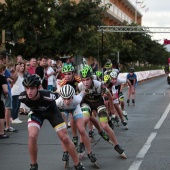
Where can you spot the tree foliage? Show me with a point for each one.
(49, 27)
(65, 27)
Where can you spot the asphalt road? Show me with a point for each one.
(146, 143)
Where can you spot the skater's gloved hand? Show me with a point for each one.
(121, 95)
(133, 90)
(88, 91)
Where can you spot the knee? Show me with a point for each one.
(104, 126)
(65, 139)
(32, 137)
(82, 131)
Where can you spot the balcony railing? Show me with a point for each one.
(116, 12)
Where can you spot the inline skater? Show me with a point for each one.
(43, 106)
(132, 77)
(93, 100)
(99, 75)
(73, 80)
(114, 117)
(118, 81)
(69, 103)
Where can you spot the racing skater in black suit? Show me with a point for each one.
(43, 106)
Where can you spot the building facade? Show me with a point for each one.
(120, 11)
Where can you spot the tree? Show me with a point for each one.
(48, 27)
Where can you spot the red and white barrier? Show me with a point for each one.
(143, 75)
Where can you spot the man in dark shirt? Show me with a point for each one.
(94, 66)
(41, 71)
(4, 91)
(43, 106)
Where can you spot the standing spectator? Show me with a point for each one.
(24, 110)
(27, 67)
(19, 59)
(53, 65)
(16, 90)
(41, 71)
(59, 65)
(4, 91)
(94, 66)
(33, 64)
(50, 75)
(8, 100)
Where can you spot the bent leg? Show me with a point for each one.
(33, 132)
(83, 134)
(68, 144)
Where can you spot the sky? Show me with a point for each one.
(158, 15)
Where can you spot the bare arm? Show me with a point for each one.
(5, 89)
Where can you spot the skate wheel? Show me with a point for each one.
(110, 142)
(91, 140)
(66, 164)
(97, 165)
(82, 155)
(126, 128)
(123, 155)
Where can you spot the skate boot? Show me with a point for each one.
(104, 135)
(111, 124)
(66, 159)
(79, 167)
(115, 119)
(34, 167)
(75, 141)
(81, 150)
(124, 124)
(120, 150)
(125, 114)
(128, 102)
(133, 101)
(93, 159)
(91, 135)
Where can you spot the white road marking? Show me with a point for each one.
(135, 165)
(141, 154)
(161, 120)
(146, 146)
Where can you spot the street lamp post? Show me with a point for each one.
(102, 49)
(3, 41)
(118, 57)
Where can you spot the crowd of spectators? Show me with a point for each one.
(47, 68)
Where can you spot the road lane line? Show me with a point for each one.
(135, 165)
(146, 146)
(161, 120)
(141, 154)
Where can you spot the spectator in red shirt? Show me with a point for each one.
(33, 64)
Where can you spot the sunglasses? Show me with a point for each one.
(28, 64)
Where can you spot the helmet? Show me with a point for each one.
(32, 81)
(67, 68)
(113, 74)
(67, 91)
(107, 78)
(86, 72)
(99, 74)
(108, 65)
(131, 70)
(116, 70)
